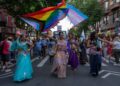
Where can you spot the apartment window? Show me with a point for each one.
(118, 12)
(106, 5)
(111, 2)
(101, 22)
(113, 17)
(104, 21)
(114, 1)
(117, 0)
(107, 19)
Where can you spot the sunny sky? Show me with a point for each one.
(65, 24)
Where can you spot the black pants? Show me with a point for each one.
(116, 53)
(95, 64)
(5, 58)
(51, 59)
(44, 51)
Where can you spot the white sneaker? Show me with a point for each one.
(87, 64)
(3, 68)
(69, 65)
(116, 64)
(107, 61)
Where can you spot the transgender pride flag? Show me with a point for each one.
(33, 23)
(74, 15)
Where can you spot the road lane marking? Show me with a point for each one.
(101, 71)
(12, 65)
(116, 74)
(109, 73)
(105, 59)
(34, 59)
(6, 74)
(112, 72)
(41, 64)
(103, 64)
(106, 75)
(108, 60)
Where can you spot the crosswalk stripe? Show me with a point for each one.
(106, 75)
(43, 62)
(103, 64)
(6, 74)
(34, 59)
(101, 71)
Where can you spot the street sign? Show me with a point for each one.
(59, 28)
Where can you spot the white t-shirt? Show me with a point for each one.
(116, 44)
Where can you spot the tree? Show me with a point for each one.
(92, 8)
(20, 7)
(53, 2)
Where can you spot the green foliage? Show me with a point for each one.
(92, 9)
(53, 2)
(20, 7)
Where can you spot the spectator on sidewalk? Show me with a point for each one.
(11, 52)
(5, 54)
(116, 48)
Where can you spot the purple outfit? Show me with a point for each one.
(73, 58)
(74, 62)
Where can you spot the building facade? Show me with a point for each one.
(111, 18)
(7, 23)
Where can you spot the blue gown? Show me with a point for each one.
(23, 62)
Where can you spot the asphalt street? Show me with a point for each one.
(109, 76)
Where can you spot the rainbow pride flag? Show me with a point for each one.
(49, 17)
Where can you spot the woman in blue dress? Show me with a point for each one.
(23, 66)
